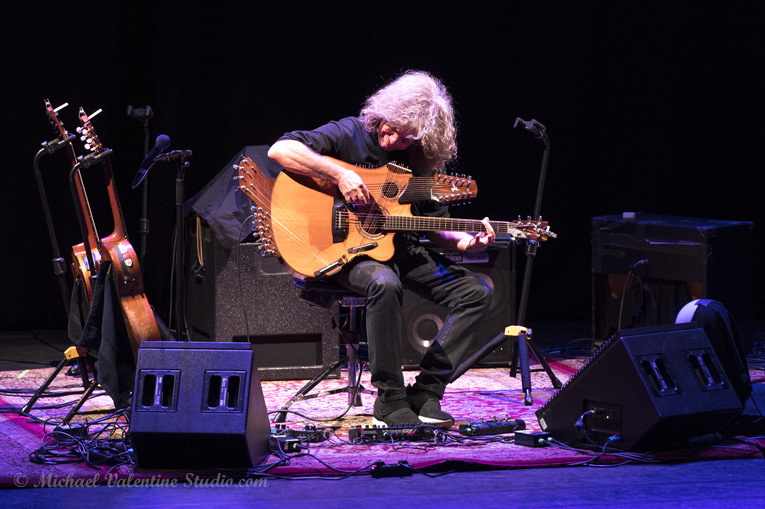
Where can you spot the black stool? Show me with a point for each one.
(333, 297)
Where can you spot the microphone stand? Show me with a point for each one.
(179, 156)
(143, 115)
(523, 344)
(521, 352)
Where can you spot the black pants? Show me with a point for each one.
(435, 277)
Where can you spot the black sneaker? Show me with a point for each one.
(427, 405)
(394, 413)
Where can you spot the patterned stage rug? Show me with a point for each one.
(480, 394)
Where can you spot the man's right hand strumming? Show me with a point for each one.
(294, 156)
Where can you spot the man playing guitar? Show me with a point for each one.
(409, 121)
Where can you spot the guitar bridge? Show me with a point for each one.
(331, 267)
(361, 249)
(340, 221)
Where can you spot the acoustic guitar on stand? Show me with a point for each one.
(307, 223)
(81, 262)
(139, 317)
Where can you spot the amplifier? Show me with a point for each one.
(664, 262)
(244, 297)
(423, 319)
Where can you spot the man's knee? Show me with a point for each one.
(385, 282)
(482, 292)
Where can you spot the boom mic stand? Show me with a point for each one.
(523, 342)
(179, 156)
(143, 115)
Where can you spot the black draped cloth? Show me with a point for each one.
(222, 206)
(104, 332)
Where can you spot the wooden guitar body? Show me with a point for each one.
(307, 228)
(126, 272)
(139, 317)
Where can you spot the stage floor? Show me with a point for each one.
(484, 471)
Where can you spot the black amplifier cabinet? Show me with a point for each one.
(243, 296)
(423, 319)
(664, 262)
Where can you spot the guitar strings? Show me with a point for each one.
(424, 223)
(260, 191)
(385, 190)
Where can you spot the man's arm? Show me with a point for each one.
(298, 158)
(465, 241)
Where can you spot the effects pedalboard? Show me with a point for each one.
(283, 440)
(493, 427)
(403, 433)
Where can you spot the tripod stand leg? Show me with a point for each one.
(43, 387)
(281, 415)
(523, 356)
(81, 402)
(354, 396)
(554, 379)
(73, 352)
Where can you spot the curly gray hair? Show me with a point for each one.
(419, 105)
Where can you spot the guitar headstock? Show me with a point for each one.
(446, 189)
(88, 133)
(55, 122)
(453, 189)
(258, 188)
(538, 230)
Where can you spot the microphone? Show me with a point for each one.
(163, 142)
(140, 114)
(536, 128)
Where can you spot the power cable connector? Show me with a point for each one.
(402, 469)
(280, 444)
(528, 438)
(75, 429)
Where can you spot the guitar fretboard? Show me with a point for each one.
(379, 222)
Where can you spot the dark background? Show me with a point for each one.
(649, 106)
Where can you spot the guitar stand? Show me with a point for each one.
(59, 265)
(84, 361)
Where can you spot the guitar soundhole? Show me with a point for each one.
(369, 219)
(390, 190)
(372, 224)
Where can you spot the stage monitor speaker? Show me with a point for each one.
(423, 319)
(243, 296)
(198, 405)
(654, 388)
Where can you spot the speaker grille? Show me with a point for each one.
(423, 319)
(246, 297)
